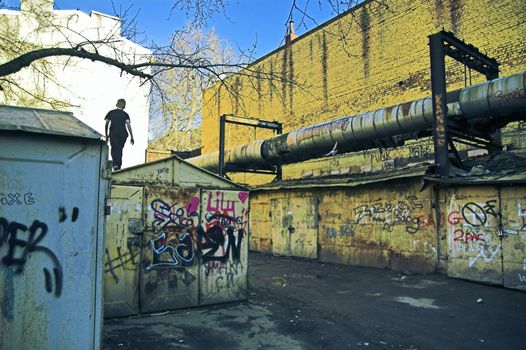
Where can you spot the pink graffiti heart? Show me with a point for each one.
(192, 206)
(242, 196)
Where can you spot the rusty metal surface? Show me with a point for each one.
(381, 226)
(170, 266)
(173, 172)
(260, 226)
(223, 243)
(122, 251)
(184, 260)
(157, 173)
(473, 234)
(280, 227)
(376, 225)
(513, 210)
(43, 121)
(342, 181)
(51, 240)
(295, 226)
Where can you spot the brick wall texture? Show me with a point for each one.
(375, 56)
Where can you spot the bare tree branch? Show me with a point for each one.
(26, 59)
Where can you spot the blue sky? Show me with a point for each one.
(249, 22)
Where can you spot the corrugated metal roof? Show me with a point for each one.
(343, 181)
(483, 180)
(43, 121)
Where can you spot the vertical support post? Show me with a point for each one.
(279, 171)
(221, 170)
(438, 92)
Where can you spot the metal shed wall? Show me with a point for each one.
(465, 228)
(176, 236)
(51, 239)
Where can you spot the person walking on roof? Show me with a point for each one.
(117, 121)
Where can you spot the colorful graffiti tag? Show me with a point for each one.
(221, 236)
(224, 227)
(177, 226)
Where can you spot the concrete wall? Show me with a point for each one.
(88, 89)
(477, 233)
(382, 60)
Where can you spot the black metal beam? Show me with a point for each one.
(441, 44)
(438, 94)
(221, 146)
(469, 55)
(245, 121)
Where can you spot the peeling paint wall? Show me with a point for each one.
(474, 233)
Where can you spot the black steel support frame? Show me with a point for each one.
(246, 121)
(441, 44)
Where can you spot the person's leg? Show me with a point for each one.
(117, 143)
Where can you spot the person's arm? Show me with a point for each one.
(106, 129)
(128, 126)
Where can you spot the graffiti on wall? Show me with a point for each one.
(176, 224)
(23, 241)
(485, 254)
(224, 227)
(222, 235)
(17, 198)
(473, 229)
(121, 259)
(406, 212)
(390, 214)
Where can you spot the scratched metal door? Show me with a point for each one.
(281, 227)
(474, 239)
(223, 241)
(304, 227)
(295, 227)
(124, 228)
(513, 201)
(169, 269)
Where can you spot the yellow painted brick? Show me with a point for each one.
(333, 80)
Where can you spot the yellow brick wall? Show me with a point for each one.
(383, 60)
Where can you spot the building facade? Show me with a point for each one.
(374, 56)
(88, 89)
(379, 207)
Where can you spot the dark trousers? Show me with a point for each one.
(117, 144)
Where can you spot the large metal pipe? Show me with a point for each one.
(493, 104)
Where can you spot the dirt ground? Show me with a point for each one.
(303, 304)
